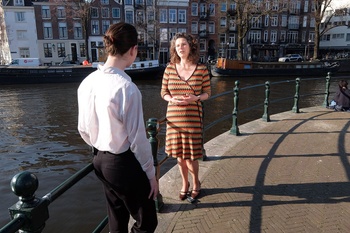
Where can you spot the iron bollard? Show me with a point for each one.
(152, 130)
(295, 108)
(234, 129)
(266, 115)
(35, 210)
(328, 83)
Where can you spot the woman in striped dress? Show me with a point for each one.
(185, 84)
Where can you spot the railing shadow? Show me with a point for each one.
(30, 213)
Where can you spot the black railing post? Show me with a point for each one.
(328, 83)
(35, 210)
(266, 115)
(152, 130)
(295, 108)
(234, 129)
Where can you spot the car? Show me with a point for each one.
(291, 57)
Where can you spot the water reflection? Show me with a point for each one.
(38, 134)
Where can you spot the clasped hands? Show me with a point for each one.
(183, 99)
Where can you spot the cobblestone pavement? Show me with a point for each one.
(288, 175)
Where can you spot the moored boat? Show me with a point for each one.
(227, 67)
(69, 73)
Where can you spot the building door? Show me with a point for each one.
(73, 48)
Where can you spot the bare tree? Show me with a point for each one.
(320, 13)
(79, 9)
(324, 12)
(247, 13)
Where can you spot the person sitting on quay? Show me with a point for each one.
(342, 97)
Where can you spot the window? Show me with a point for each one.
(149, 2)
(182, 30)
(95, 30)
(104, 2)
(223, 22)
(202, 29)
(223, 7)
(62, 30)
(47, 49)
(274, 21)
(194, 9)
(172, 32)
(306, 6)
(203, 10)
(150, 16)
(129, 17)
(211, 9)
(105, 12)
(182, 16)
(303, 36)
(347, 36)
(211, 27)
(115, 12)
(194, 27)
(19, 2)
(82, 50)
(94, 12)
(105, 25)
(128, 2)
(284, 21)
(21, 35)
(172, 16)
(163, 35)
(273, 36)
(61, 13)
(312, 22)
(24, 52)
(267, 19)
(20, 17)
(254, 36)
(45, 12)
(266, 36)
(78, 34)
(61, 50)
(47, 30)
(283, 36)
(305, 21)
(202, 43)
(163, 16)
(275, 5)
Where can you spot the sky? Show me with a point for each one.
(340, 3)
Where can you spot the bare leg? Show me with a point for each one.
(184, 173)
(193, 168)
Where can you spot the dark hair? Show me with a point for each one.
(343, 84)
(119, 38)
(193, 55)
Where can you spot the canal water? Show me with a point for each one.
(39, 134)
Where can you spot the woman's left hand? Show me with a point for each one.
(190, 98)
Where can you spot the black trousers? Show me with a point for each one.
(126, 189)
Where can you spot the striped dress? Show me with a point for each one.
(184, 122)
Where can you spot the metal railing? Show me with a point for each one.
(30, 213)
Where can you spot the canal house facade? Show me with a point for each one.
(67, 31)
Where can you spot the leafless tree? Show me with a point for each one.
(79, 10)
(247, 13)
(324, 12)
